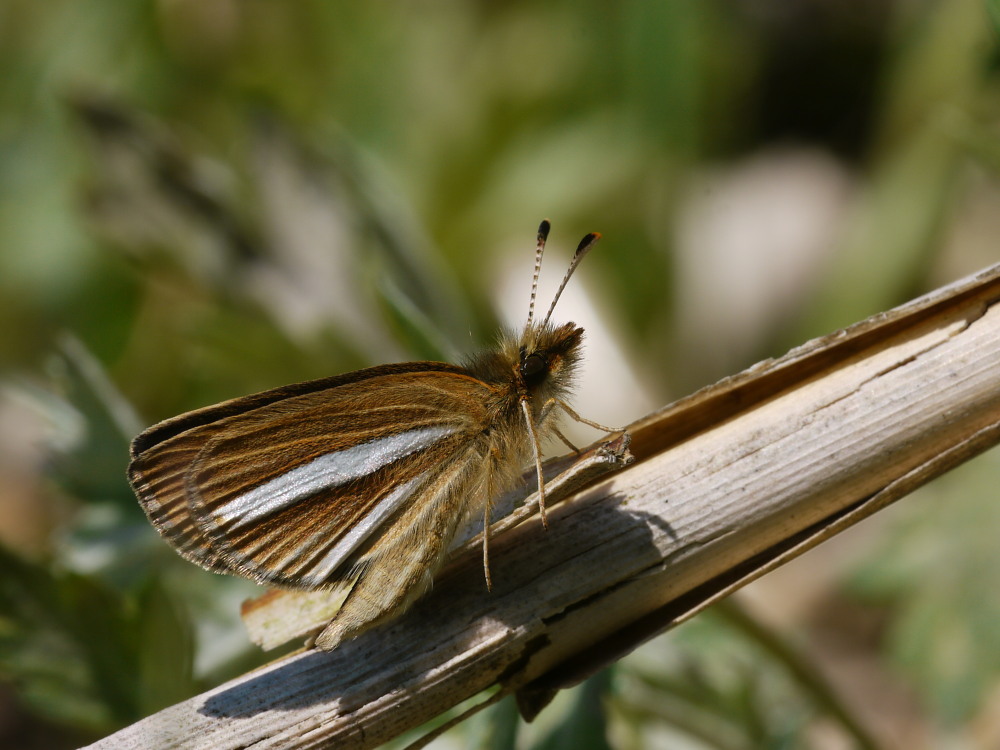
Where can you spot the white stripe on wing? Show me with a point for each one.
(329, 470)
(325, 567)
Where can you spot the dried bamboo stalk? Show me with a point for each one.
(729, 483)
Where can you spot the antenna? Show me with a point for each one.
(543, 234)
(582, 249)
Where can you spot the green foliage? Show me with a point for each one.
(84, 653)
(93, 635)
(937, 570)
(584, 725)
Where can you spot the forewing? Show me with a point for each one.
(288, 487)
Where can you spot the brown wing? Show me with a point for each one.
(285, 485)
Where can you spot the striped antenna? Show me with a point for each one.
(582, 249)
(543, 234)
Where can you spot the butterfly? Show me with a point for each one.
(360, 481)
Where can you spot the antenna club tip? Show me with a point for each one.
(587, 242)
(543, 229)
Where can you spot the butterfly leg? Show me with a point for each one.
(526, 408)
(558, 434)
(583, 420)
(543, 414)
(486, 547)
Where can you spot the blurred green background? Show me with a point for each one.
(203, 199)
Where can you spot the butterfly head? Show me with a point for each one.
(537, 364)
(547, 355)
(546, 359)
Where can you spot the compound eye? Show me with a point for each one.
(534, 368)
